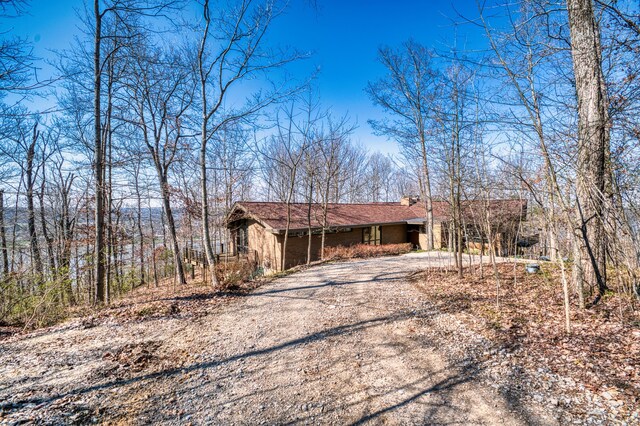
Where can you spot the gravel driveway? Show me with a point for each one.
(339, 343)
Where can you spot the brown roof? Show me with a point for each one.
(273, 215)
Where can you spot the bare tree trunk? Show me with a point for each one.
(593, 141)
(139, 225)
(153, 249)
(576, 276)
(99, 247)
(309, 221)
(66, 234)
(115, 243)
(428, 201)
(208, 248)
(172, 232)
(88, 249)
(325, 208)
(33, 236)
(3, 237)
(111, 256)
(45, 232)
(164, 227)
(286, 233)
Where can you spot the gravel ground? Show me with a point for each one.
(341, 343)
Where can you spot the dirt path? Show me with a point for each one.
(340, 343)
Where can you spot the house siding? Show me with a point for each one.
(297, 246)
(437, 238)
(264, 244)
(394, 234)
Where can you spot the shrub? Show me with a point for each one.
(32, 306)
(366, 250)
(231, 274)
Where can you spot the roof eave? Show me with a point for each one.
(247, 215)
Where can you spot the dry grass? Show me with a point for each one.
(365, 250)
(168, 299)
(524, 312)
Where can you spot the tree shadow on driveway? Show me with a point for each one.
(310, 338)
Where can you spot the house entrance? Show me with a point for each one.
(242, 238)
(413, 235)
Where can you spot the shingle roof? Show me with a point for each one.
(273, 215)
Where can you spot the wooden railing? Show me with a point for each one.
(199, 258)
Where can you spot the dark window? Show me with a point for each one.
(372, 235)
(242, 237)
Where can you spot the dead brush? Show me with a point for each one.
(358, 251)
(231, 275)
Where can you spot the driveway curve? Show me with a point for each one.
(339, 343)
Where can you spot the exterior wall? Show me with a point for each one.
(297, 246)
(499, 246)
(265, 245)
(437, 238)
(297, 249)
(394, 234)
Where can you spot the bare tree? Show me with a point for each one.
(16, 59)
(379, 177)
(121, 18)
(3, 237)
(520, 56)
(594, 172)
(406, 93)
(333, 149)
(63, 182)
(162, 92)
(30, 175)
(231, 49)
(283, 155)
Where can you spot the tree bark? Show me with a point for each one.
(172, 230)
(593, 141)
(428, 201)
(31, 220)
(99, 246)
(3, 237)
(139, 226)
(45, 231)
(66, 225)
(153, 250)
(206, 233)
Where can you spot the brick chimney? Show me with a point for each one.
(409, 200)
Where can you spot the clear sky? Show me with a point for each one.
(343, 34)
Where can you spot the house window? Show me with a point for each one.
(242, 238)
(372, 235)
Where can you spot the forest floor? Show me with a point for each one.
(593, 373)
(354, 342)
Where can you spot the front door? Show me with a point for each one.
(413, 235)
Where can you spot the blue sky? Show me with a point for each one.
(344, 36)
